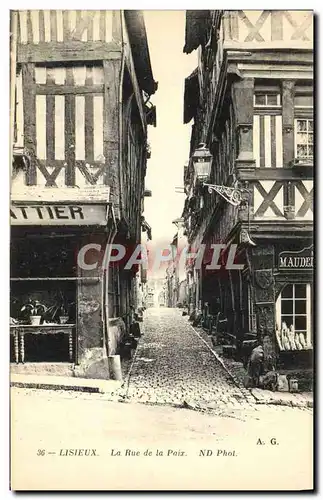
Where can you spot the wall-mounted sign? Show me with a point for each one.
(58, 215)
(302, 259)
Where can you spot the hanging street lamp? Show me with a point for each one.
(202, 161)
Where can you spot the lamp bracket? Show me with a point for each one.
(230, 194)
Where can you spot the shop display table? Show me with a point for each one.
(19, 332)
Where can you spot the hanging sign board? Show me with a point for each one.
(303, 259)
(58, 215)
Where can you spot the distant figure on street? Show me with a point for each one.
(260, 373)
(256, 365)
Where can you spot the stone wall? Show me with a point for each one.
(264, 295)
(91, 352)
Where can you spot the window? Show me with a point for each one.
(263, 99)
(303, 125)
(293, 317)
(43, 294)
(267, 125)
(304, 139)
(43, 255)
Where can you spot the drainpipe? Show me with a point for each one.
(105, 264)
(114, 362)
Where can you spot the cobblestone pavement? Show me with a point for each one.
(174, 365)
(237, 371)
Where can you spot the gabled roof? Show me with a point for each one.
(194, 29)
(140, 51)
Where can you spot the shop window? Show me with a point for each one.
(304, 139)
(293, 317)
(42, 257)
(43, 285)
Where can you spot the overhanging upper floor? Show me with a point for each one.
(69, 91)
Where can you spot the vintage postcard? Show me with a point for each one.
(161, 258)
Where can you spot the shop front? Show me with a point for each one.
(58, 308)
(283, 304)
(294, 307)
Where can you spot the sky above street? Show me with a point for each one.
(170, 140)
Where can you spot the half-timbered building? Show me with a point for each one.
(82, 83)
(251, 102)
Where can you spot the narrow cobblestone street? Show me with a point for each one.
(174, 365)
(173, 371)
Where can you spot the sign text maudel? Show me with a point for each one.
(296, 260)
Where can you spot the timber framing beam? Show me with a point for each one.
(275, 174)
(131, 70)
(271, 56)
(281, 229)
(46, 52)
(29, 99)
(218, 100)
(111, 129)
(52, 89)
